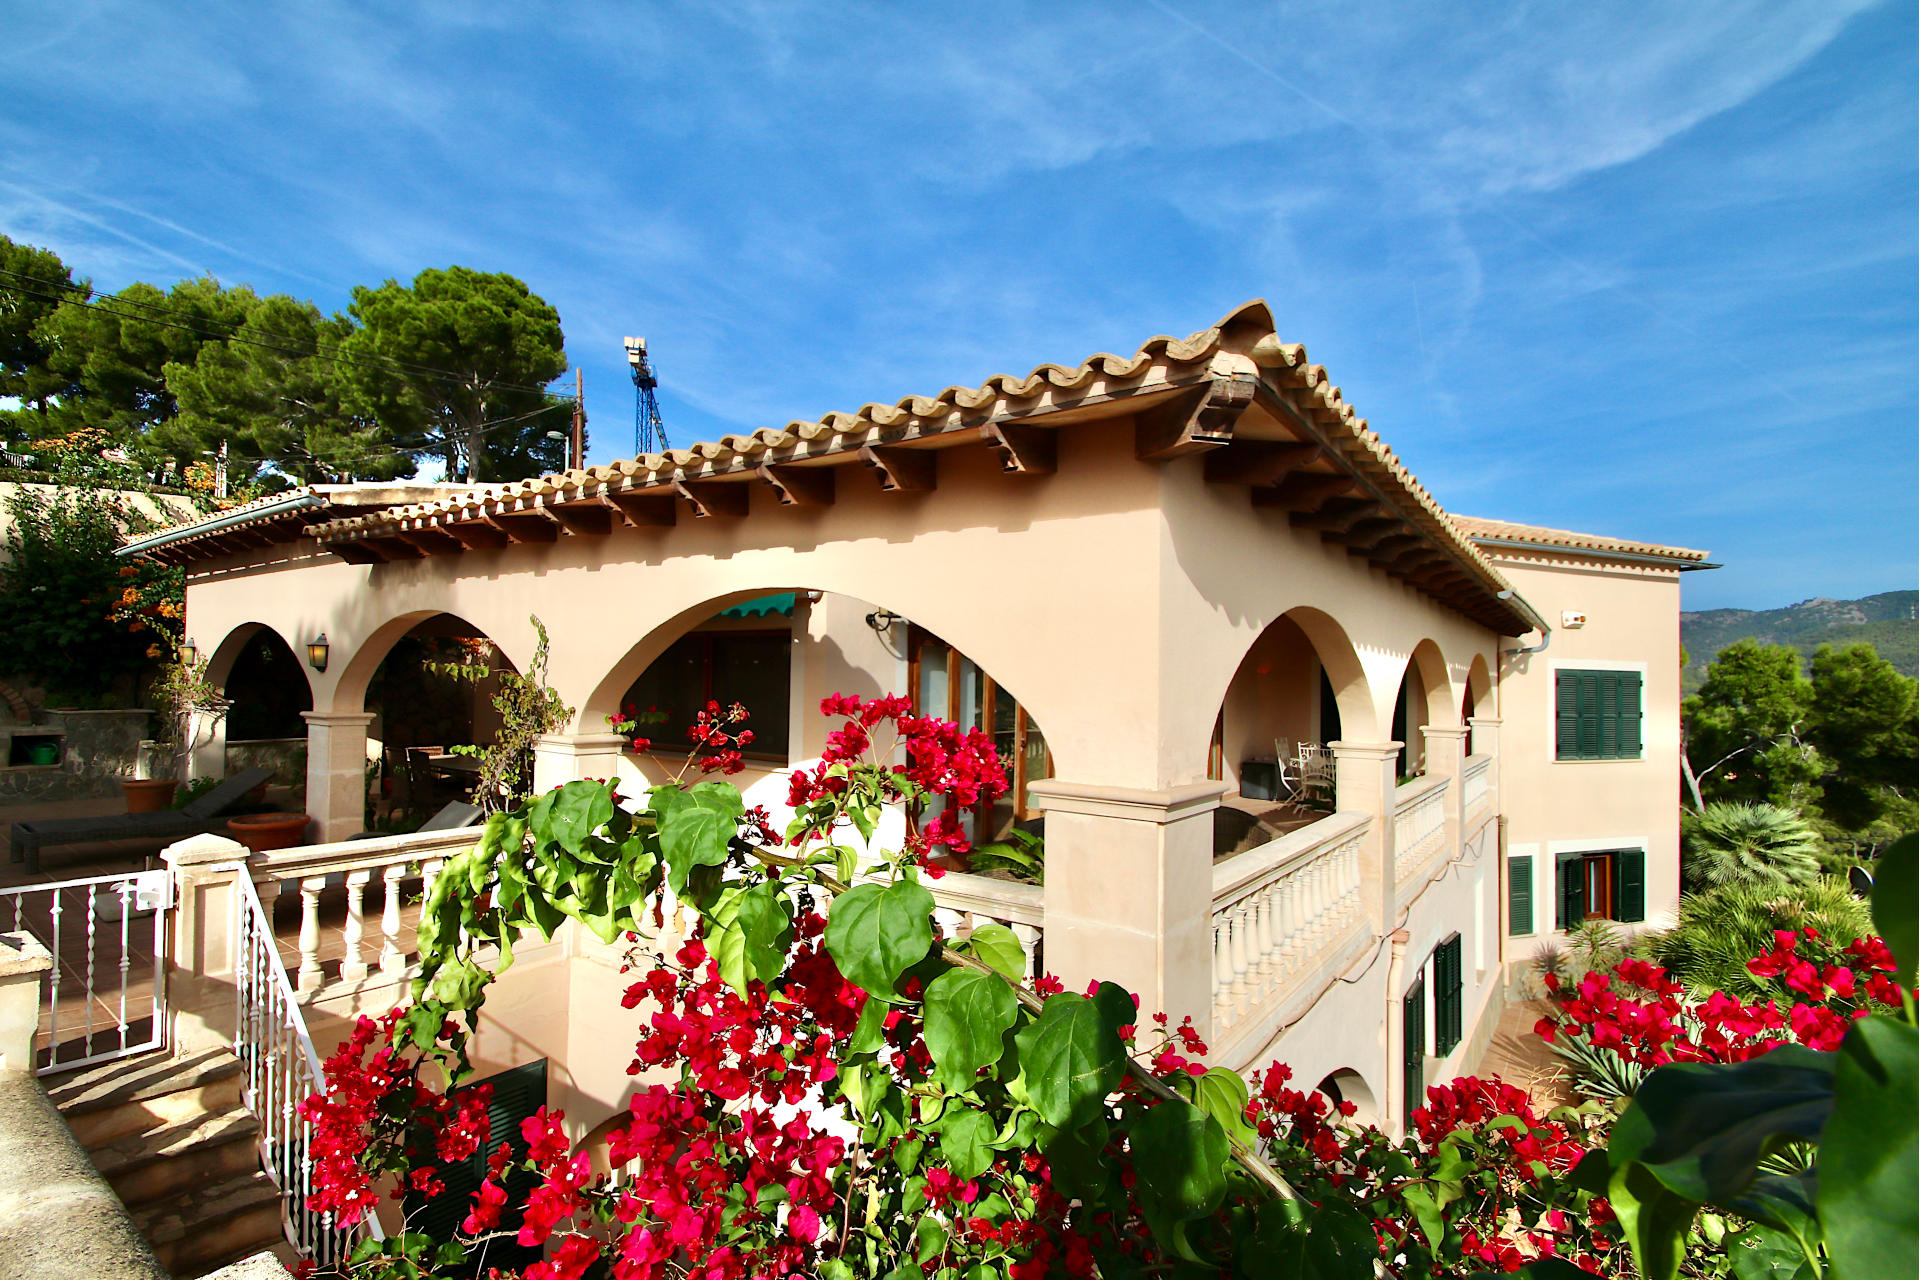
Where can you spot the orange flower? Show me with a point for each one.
(153, 651)
(138, 624)
(127, 570)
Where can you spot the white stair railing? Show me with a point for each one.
(279, 1070)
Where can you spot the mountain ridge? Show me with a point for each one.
(1885, 620)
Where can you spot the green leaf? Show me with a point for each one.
(1180, 1157)
(929, 1239)
(1896, 914)
(998, 946)
(1653, 1218)
(694, 836)
(1333, 1242)
(1761, 1253)
(967, 1016)
(1078, 1160)
(459, 983)
(1867, 1160)
(966, 1142)
(875, 933)
(569, 813)
(1072, 1059)
(720, 797)
(1427, 1212)
(1223, 1095)
(765, 919)
(870, 1032)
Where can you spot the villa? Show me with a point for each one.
(1313, 761)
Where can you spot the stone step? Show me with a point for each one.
(202, 1228)
(152, 1091)
(142, 1167)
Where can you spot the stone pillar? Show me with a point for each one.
(337, 773)
(565, 757)
(1446, 758)
(208, 759)
(22, 961)
(1129, 893)
(1365, 774)
(200, 974)
(1393, 1110)
(1486, 742)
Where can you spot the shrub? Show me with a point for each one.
(1720, 930)
(1736, 843)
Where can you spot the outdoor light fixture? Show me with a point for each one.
(317, 652)
(883, 620)
(189, 653)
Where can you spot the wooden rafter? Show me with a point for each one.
(431, 540)
(902, 470)
(356, 553)
(1023, 449)
(477, 535)
(1258, 462)
(1338, 513)
(587, 519)
(1304, 490)
(714, 497)
(1363, 535)
(798, 486)
(524, 526)
(645, 510)
(1197, 420)
(394, 548)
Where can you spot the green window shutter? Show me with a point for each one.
(1447, 996)
(1630, 704)
(1566, 706)
(1413, 1027)
(1589, 705)
(1570, 880)
(1520, 895)
(1607, 714)
(1630, 885)
(517, 1094)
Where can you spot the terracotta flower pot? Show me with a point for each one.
(263, 831)
(149, 795)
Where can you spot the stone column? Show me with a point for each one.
(22, 961)
(1446, 758)
(200, 972)
(1129, 893)
(1486, 742)
(1364, 781)
(337, 773)
(566, 757)
(208, 759)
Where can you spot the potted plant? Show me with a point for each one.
(188, 707)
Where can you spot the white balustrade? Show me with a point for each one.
(1281, 914)
(962, 903)
(1419, 826)
(1474, 781)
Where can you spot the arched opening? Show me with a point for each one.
(1424, 698)
(1349, 1086)
(1296, 687)
(1478, 699)
(422, 712)
(266, 684)
(778, 654)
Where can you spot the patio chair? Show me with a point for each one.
(205, 814)
(451, 817)
(1316, 773)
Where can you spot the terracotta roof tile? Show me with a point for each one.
(1506, 530)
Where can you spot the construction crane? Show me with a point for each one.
(649, 433)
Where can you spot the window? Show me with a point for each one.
(752, 668)
(1520, 895)
(1447, 996)
(1596, 715)
(1605, 885)
(1413, 1040)
(947, 683)
(517, 1094)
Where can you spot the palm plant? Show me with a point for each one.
(1720, 930)
(1735, 843)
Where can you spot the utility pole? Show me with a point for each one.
(220, 472)
(577, 447)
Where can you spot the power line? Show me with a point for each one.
(300, 347)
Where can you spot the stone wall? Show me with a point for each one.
(97, 751)
(287, 757)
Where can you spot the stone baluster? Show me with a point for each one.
(309, 973)
(392, 960)
(353, 961)
(1030, 945)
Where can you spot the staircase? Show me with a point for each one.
(173, 1139)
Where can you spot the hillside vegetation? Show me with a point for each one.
(1886, 621)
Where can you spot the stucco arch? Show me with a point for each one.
(350, 691)
(1442, 705)
(1479, 684)
(224, 654)
(1338, 658)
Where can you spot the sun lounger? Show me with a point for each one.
(204, 814)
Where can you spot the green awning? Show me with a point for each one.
(762, 607)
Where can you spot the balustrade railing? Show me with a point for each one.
(370, 946)
(1282, 913)
(964, 902)
(1474, 781)
(279, 1070)
(1419, 826)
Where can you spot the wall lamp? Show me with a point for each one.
(883, 620)
(189, 653)
(317, 652)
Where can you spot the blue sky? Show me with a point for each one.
(1642, 270)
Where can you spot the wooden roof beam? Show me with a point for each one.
(1024, 450)
(587, 519)
(1304, 490)
(714, 498)
(524, 526)
(1258, 462)
(432, 540)
(645, 510)
(1393, 547)
(476, 535)
(392, 547)
(1197, 420)
(798, 486)
(1335, 514)
(1363, 535)
(902, 470)
(356, 553)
